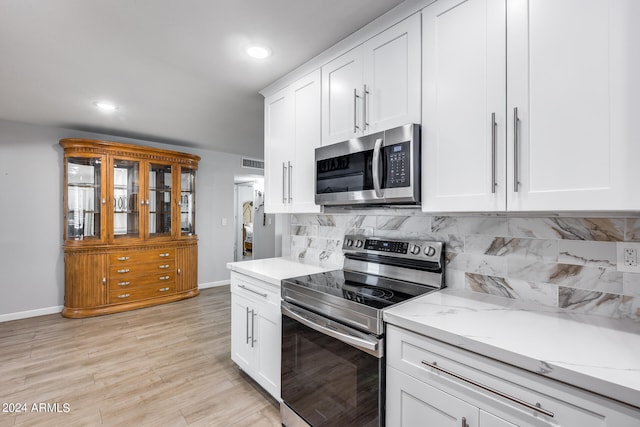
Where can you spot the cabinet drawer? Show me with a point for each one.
(126, 283)
(254, 288)
(142, 292)
(130, 270)
(135, 257)
(510, 392)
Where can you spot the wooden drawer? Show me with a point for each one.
(135, 257)
(142, 292)
(121, 271)
(117, 284)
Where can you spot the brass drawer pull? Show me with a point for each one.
(123, 283)
(123, 258)
(124, 270)
(163, 289)
(124, 296)
(164, 266)
(537, 407)
(164, 277)
(164, 255)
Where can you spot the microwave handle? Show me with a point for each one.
(375, 168)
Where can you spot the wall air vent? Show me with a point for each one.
(252, 163)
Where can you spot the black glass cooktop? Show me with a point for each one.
(367, 289)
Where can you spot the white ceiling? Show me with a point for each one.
(176, 68)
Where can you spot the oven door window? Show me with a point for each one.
(351, 172)
(328, 382)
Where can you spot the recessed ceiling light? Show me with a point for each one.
(258, 52)
(107, 107)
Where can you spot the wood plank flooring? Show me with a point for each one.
(167, 365)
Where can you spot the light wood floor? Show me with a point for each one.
(160, 366)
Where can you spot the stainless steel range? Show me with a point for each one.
(333, 333)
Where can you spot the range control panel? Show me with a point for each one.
(426, 250)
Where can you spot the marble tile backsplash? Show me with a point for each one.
(555, 261)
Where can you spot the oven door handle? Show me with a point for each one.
(370, 346)
(375, 168)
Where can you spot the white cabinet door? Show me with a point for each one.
(487, 419)
(341, 92)
(268, 336)
(413, 403)
(391, 91)
(241, 350)
(307, 133)
(277, 148)
(573, 70)
(463, 124)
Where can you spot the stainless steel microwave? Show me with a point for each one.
(377, 169)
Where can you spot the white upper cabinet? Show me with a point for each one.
(463, 124)
(292, 132)
(563, 128)
(374, 86)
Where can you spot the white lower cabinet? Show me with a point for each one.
(256, 330)
(430, 383)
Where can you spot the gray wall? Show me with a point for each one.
(31, 254)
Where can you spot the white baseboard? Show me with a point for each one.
(30, 313)
(213, 284)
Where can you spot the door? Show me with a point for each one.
(391, 91)
(241, 332)
(341, 93)
(160, 204)
(277, 149)
(411, 402)
(573, 68)
(463, 124)
(307, 137)
(267, 344)
(127, 199)
(85, 198)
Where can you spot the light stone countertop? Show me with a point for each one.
(591, 352)
(273, 270)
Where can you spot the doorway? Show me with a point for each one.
(254, 230)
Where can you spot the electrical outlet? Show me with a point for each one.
(627, 256)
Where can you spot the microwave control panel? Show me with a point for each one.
(398, 165)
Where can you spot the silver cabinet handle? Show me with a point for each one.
(163, 289)
(464, 422)
(104, 280)
(290, 181)
(164, 255)
(147, 202)
(104, 201)
(141, 202)
(253, 328)
(124, 270)
(284, 191)
(123, 283)
(164, 277)
(255, 292)
(365, 122)
(247, 318)
(179, 272)
(375, 168)
(516, 178)
(493, 153)
(122, 258)
(163, 266)
(355, 111)
(537, 407)
(124, 296)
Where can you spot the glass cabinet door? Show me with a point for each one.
(126, 198)
(83, 210)
(160, 185)
(187, 202)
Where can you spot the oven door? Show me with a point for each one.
(332, 375)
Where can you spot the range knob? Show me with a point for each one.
(359, 243)
(415, 249)
(348, 242)
(429, 251)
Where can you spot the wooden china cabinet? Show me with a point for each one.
(129, 227)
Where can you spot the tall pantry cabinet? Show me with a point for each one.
(529, 105)
(129, 227)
